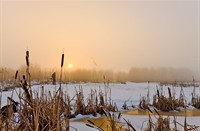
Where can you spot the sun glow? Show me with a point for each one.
(70, 66)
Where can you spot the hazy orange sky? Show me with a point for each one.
(115, 34)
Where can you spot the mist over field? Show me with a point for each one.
(135, 74)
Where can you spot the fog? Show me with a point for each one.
(117, 35)
(135, 74)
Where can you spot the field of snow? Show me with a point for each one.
(129, 92)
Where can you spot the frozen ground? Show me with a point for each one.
(130, 92)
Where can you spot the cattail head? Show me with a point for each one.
(27, 53)
(119, 115)
(16, 74)
(27, 58)
(24, 78)
(62, 60)
(27, 61)
(158, 93)
(25, 83)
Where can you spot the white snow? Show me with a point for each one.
(80, 126)
(129, 92)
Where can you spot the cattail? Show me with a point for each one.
(158, 93)
(24, 86)
(16, 74)
(24, 78)
(194, 87)
(27, 53)
(27, 61)
(170, 94)
(62, 60)
(119, 115)
(27, 58)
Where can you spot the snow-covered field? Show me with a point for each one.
(129, 92)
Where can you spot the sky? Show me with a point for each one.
(101, 34)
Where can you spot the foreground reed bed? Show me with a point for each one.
(162, 123)
(164, 103)
(36, 112)
(42, 111)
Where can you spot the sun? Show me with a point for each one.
(70, 66)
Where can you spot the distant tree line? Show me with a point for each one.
(135, 74)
